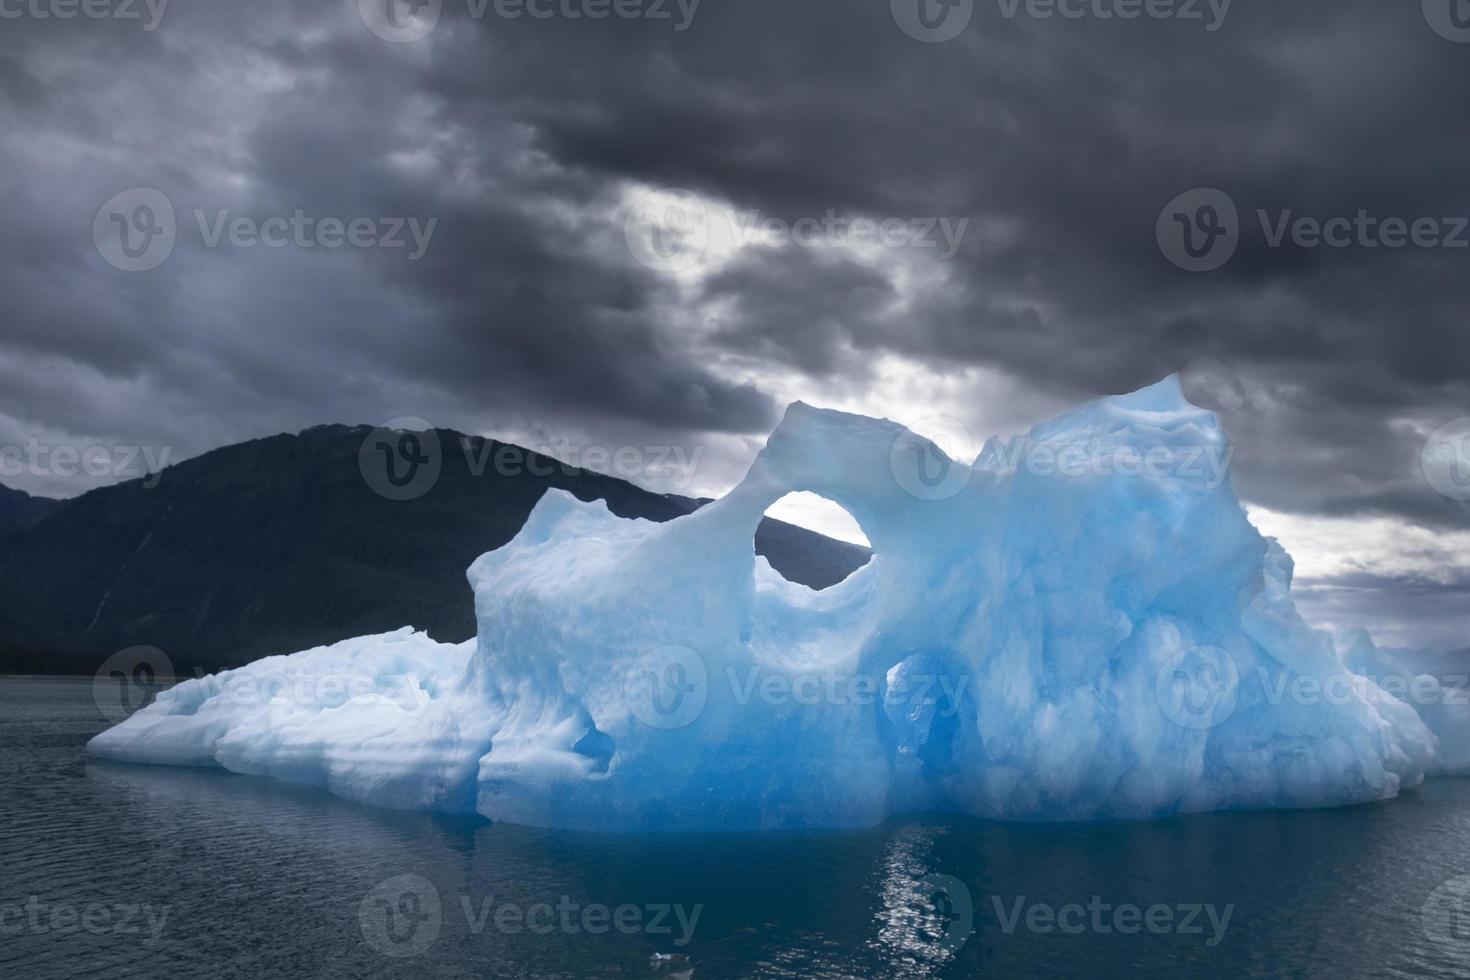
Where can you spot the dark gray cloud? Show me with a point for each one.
(526, 141)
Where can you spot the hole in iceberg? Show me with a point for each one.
(811, 541)
(599, 747)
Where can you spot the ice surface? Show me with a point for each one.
(1081, 624)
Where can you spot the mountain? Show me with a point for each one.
(18, 509)
(282, 544)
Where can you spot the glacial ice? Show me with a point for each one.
(1081, 624)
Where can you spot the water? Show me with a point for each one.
(120, 871)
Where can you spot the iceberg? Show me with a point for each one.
(1079, 624)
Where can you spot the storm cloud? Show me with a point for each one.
(799, 161)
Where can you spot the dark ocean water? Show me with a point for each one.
(119, 871)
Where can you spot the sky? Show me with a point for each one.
(649, 225)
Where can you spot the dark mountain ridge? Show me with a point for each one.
(19, 509)
(282, 544)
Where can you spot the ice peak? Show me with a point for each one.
(1166, 395)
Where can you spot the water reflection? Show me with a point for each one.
(263, 877)
(926, 917)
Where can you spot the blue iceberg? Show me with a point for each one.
(1079, 624)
